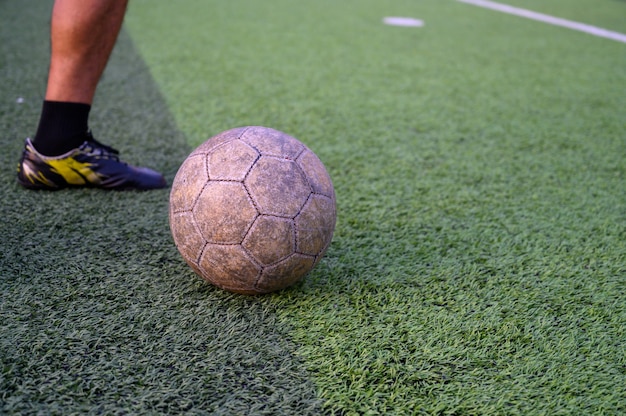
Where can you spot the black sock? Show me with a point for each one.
(62, 127)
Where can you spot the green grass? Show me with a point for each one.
(479, 261)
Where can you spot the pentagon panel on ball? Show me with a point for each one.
(252, 210)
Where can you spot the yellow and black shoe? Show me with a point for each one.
(93, 164)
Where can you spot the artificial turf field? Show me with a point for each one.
(479, 260)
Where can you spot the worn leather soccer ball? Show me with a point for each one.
(252, 210)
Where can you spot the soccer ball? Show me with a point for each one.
(252, 210)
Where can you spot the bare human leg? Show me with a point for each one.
(83, 33)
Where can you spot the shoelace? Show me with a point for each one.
(101, 148)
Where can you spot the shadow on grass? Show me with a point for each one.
(99, 313)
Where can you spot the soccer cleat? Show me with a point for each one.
(93, 164)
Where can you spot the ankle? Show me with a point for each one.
(62, 127)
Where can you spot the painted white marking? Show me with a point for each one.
(403, 21)
(557, 21)
(19, 100)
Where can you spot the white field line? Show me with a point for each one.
(403, 21)
(557, 21)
